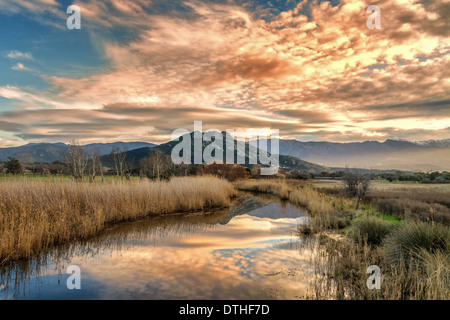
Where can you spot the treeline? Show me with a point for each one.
(84, 164)
(87, 165)
(421, 177)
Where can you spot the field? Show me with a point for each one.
(39, 213)
(382, 185)
(415, 201)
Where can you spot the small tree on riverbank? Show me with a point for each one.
(356, 184)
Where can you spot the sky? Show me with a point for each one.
(139, 69)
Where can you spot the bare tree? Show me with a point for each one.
(95, 167)
(122, 167)
(57, 167)
(76, 159)
(158, 166)
(356, 184)
(183, 170)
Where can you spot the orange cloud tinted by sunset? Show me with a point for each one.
(322, 75)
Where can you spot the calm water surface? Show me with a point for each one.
(249, 251)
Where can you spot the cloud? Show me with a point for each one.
(20, 67)
(47, 12)
(10, 126)
(310, 71)
(20, 55)
(31, 98)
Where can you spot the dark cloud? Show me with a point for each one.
(422, 109)
(10, 126)
(307, 116)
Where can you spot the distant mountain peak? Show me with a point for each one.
(434, 143)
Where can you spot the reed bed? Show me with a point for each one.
(412, 267)
(274, 187)
(36, 215)
(326, 212)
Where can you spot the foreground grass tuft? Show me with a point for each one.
(372, 230)
(406, 245)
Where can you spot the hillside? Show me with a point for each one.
(286, 162)
(49, 152)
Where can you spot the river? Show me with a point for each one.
(248, 251)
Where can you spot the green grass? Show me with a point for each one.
(390, 219)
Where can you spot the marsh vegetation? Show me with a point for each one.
(408, 239)
(36, 215)
(403, 229)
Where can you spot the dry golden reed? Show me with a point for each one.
(36, 215)
(326, 212)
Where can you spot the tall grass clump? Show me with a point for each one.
(372, 230)
(416, 256)
(437, 268)
(36, 215)
(407, 244)
(326, 213)
(340, 271)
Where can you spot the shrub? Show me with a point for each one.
(14, 166)
(373, 230)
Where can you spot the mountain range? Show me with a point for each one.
(310, 156)
(49, 152)
(390, 154)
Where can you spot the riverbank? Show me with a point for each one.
(413, 255)
(38, 215)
